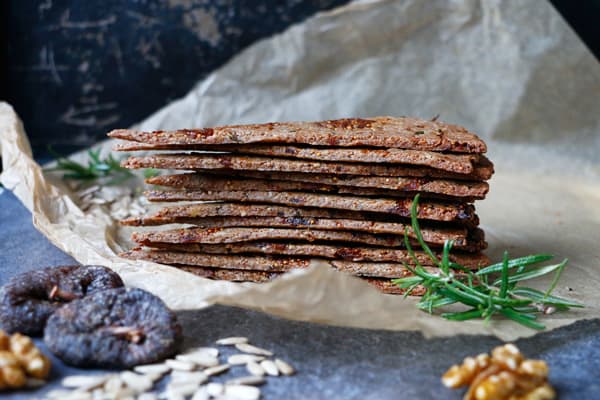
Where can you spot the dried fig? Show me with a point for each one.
(116, 328)
(28, 299)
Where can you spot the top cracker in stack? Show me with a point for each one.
(259, 200)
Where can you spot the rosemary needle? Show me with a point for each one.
(455, 283)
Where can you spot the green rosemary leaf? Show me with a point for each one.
(445, 264)
(417, 231)
(504, 279)
(540, 297)
(522, 319)
(516, 262)
(403, 283)
(556, 278)
(463, 315)
(532, 273)
(151, 173)
(436, 303)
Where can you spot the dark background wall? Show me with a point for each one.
(75, 69)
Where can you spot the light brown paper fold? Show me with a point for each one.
(481, 64)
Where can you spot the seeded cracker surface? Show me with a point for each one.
(200, 161)
(459, 163)
(335, 251)
(402, 133)
(473, 243)
(401, 187)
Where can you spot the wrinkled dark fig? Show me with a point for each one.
(116, 328)
(28, 299)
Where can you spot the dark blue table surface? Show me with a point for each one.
(332, 362)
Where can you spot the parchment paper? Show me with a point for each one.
(513, 72)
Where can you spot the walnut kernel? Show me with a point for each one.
(11, 374)
(506, 375)
(31, 359)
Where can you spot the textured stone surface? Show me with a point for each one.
(332, 362)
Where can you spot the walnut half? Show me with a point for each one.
(505, 375)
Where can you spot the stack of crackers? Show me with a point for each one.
(260, 200)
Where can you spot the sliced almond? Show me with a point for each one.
(255, 369)
(246, 380)
(181, 365)
(238, 359)
(84, 382)
(233, 340)
(270, 367)
(250, 349)
(216, 370)
(284, 367)
(152, 369)
(242, 392)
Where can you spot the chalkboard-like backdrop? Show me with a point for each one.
(78, 68)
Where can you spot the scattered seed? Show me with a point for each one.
(255, 369)
(113, 384)
(201, 394)
(270, 367)
(246, 380)
(210, 351)
(238, 359)
(201, 359)
(284, 367)
(180, 365)
(58, 394)
(214, 389)
(229, 341)
(147, 396)
(123, 393)
(84, 382)
(182, 389)
(137, 382)
(98, 394)
(242, 392)
(248, 348)
(197, 377)
(216, 370)
(152, 369)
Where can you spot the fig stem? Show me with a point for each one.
(56, 293)
(130, 333)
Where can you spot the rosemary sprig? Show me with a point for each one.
(108, 170)
(453, 283)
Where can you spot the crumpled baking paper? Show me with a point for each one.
(512, 72)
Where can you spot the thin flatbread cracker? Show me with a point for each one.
(197, 181)
(401, 133)
(229, 162)
(429, 210)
